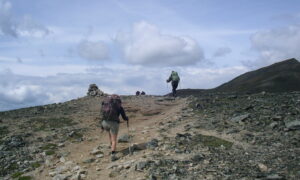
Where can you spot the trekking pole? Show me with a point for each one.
(130, 152)
(167, 87)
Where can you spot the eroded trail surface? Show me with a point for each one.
(213, 136)
(147, 115)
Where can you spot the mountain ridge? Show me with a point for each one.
(282, 76)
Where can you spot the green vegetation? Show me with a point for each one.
(49, 146)
(50, 152)
(35, 165)
(40, 124)
(77, 135)
(212, 141)
(25, 178)
(16, 174)
(3, 131)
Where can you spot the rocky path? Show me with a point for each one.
(90, 158)
(218, 136)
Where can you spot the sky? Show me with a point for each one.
(51, 50)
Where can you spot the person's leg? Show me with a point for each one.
(174, 86)
(114, 134)
(110, 140)
(105, 125)
(113, 142)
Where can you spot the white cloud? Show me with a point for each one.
(23, 90)
(205, 78)
(11, 25)
(93, 50)
(146, 45)
(276, 45)
(28, 27)
(222, 51)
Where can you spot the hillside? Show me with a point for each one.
(279, 77)
(283, 76)
(213, 136)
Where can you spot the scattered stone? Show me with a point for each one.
(274, 177)
(96, 151)
(240, 118)
(197, 158)
(124, 139)
(99, 155)
(274, 125)
(52, 174)
(89, 160)
(76, 168)
(277, 118)
(293, 125)
(61, 145)
(71, 134)
(262, 167)
(141, 165)
(62, 159)
(152, 144)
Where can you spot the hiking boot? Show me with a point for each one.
(113, 157)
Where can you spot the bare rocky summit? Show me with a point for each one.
(209, 136)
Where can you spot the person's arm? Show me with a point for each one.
(170, 78)
(122, 112)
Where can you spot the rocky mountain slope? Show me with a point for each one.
(283, 76)
(209, 136)
(279, 77)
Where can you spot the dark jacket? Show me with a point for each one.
(122, 112)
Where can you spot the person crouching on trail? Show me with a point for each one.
(175, 80)
(111, 109)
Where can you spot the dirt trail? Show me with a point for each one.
(145, 114)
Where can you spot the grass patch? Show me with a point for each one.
(16, 174)
(49, 149)
(50, 152)
(49, 146)
(77, 135)
(40, 124)
(35, 165)
(25, 178)
(212, 141)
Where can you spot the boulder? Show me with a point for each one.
(94, 91)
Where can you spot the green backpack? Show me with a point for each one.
(175, 76)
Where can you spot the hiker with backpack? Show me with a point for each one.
(110, 110)
(174, 78)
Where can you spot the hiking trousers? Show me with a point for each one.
(174, 87)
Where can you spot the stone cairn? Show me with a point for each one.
(94, 91)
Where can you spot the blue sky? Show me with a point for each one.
(51, 50)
